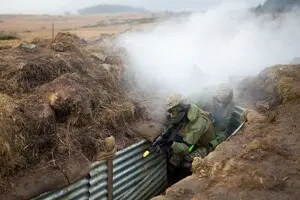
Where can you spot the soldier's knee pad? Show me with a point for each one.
(186, 165)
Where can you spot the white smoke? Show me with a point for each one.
(210, 47)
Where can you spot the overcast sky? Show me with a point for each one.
(59, 6)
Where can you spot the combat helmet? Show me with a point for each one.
(223, 93)
(178, 107)
(176, 99)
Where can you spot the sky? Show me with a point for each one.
(60, 6)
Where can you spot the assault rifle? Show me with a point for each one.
(162, 142)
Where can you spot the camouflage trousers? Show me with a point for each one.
(177, 159)
(198, 152)
(220, 137)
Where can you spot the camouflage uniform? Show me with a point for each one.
(220, 105)
(198, 131)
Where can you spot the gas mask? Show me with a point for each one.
(177, 114)
(219, 104)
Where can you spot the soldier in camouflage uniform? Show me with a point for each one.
(193, 138)
(220, 105)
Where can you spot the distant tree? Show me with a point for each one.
(109, 8)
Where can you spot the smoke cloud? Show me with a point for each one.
(209, 48)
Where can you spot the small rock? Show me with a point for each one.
(28, 47)
(255, 144)
(98, 57)
(59, 46)
(262, 105)
(113, 60)
(272, 116)
(254, 117)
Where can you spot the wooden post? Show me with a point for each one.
(52, 31)
(110, 145)
(110, 178)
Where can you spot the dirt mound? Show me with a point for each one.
(12, 137)
(262, 160)
(43, 177)
(70, 39)
(56, 104)
(274, 85)
(24, 74)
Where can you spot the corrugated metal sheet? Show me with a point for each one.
(143, 189)
(98, 181)
(235, 119)
(131, 175)
(130, 169)
(134, 178)
(78, 190)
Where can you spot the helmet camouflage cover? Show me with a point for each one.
(224, 93)
(175, 99)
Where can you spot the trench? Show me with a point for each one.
(134, 177)
(173, 177)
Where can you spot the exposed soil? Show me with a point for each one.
(262, 161)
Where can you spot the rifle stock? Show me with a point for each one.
(160, 143)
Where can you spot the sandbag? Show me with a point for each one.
(148, 130)
(49, 178)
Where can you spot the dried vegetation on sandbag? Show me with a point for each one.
(58, 102)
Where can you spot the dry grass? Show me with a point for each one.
(13, 43)
(118, 113)
(29, 27)
(65, 98)
(69, 100)
(12, 137)
(276, 84)
(285, 79)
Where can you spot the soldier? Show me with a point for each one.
(193, 139)
(220, 105)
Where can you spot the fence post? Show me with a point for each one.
(52, 31)
(110, 145)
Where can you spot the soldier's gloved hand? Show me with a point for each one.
(169, 143)
(178, 138)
